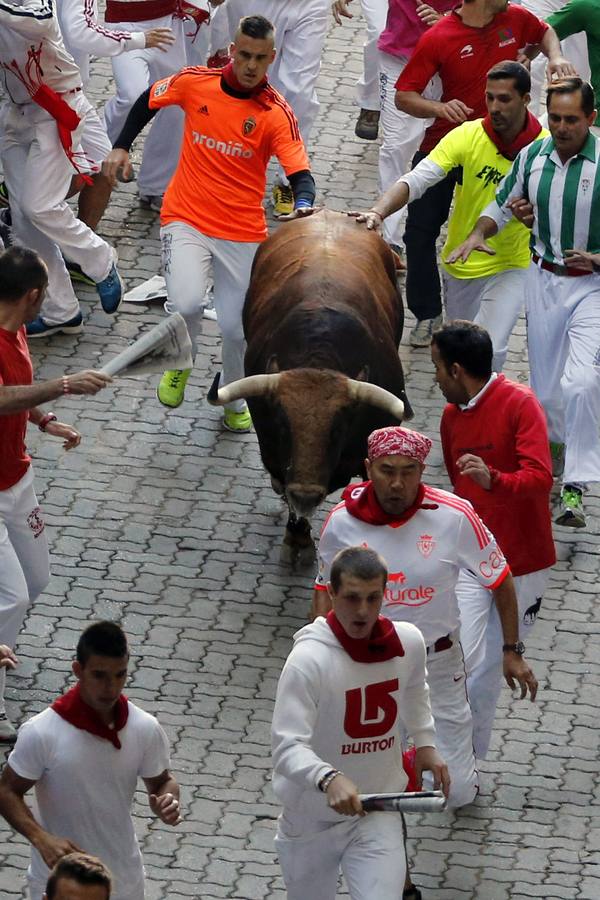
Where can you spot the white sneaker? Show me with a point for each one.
(8, 733)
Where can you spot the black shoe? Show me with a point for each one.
(412, 893)
(367, 124)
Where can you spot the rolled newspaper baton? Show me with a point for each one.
(417, 801)
(166, 346)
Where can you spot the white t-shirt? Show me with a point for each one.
(85, 786)
(424, 556)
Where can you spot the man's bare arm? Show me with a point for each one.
(163, 797)
(16, 398)
(414, 104)
(18, 815)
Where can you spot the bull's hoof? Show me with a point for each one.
(297, 557)
(306, 556)
(287, 554)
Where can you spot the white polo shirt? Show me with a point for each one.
(85, 786)
(424, 556)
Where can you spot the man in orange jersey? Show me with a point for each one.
(212, 213)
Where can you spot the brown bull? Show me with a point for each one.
(323, 319)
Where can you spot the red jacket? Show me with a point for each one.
(507, 429)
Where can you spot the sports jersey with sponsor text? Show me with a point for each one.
(483, 168)
(424, 555)
(463, 55)
(228, 140)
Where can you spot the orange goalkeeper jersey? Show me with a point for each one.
(219, 183)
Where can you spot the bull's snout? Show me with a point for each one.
(304, 499)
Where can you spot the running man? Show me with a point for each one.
(487, 289)
(212, 213)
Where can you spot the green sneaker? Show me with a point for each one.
(557, 454)
(571, 508)
(241, 422)
(171, 387)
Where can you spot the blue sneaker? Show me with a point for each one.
(110, 290)
(37, 328)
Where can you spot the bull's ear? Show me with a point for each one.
(272, 365)
(363, 375)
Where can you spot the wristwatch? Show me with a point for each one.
(518, 648)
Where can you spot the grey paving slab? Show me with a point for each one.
(167, 524)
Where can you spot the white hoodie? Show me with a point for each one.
(334, 713)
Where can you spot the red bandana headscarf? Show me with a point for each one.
(382, 644)
(75, 711)
(397, 441)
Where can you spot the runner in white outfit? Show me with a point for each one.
(37, 168)
(134, 72)
(427, 536)
(350, 681)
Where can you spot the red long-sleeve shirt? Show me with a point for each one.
(507, 429)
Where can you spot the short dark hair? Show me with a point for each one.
(81, 868)
(21, 270)
(102, 639)
(513, 70)
(256, 27)
(570, 85)
(467, 344)
(357, 562)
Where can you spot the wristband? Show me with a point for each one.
(327, 779)
(376, 213)
(45, 420)
(65, 383)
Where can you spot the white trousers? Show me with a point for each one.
(300, 29)
(134, 71)
(24, 561)
(494, 302)
(574, 48)
(187, 259)
(481, 637)
(402, 135)
(563, 339)
(453, 722)
(38, 175)
(369, 850)
(367, 87)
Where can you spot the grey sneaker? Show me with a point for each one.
(8, 732)
(557, 454)
(571, 508)
(151, 201)
(367, 124)
(420, 335)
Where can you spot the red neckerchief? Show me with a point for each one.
(73, 710)
(229, 77)
(528, 133)
(382, 644)
(364, 505)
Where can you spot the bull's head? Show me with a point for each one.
(316, 406)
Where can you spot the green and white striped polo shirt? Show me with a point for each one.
(565, 198)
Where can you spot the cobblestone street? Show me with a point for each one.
(167, 524)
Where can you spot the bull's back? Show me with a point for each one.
(328, 252)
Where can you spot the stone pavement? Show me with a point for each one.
(162, 521)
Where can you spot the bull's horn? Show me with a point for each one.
(376, 396)
(252, 386)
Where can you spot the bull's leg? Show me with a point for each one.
(298, 547)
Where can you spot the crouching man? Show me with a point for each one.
(351, 680)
